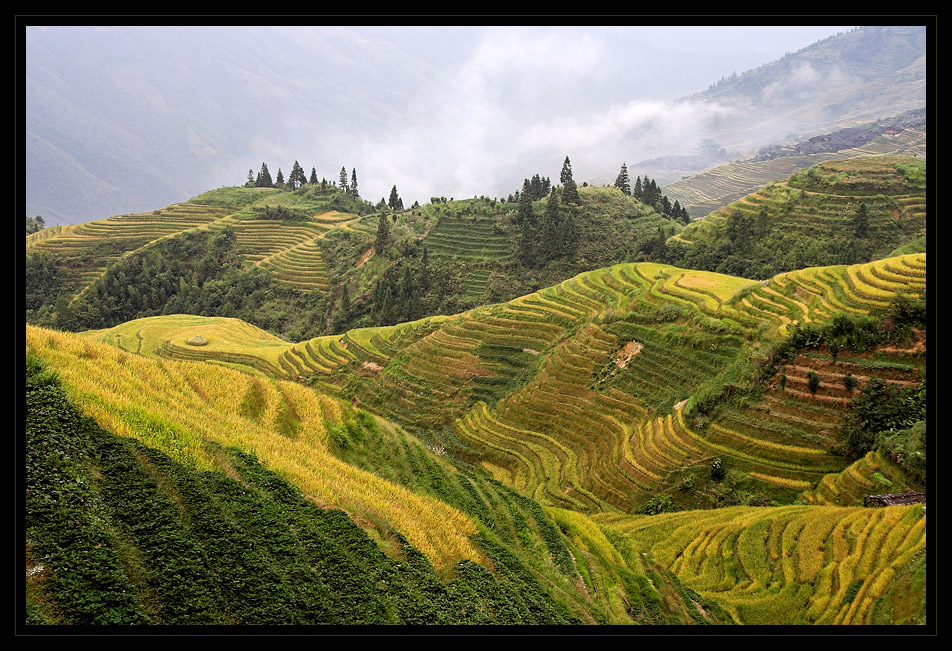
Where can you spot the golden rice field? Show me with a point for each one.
(532, 388)
(797, 564)
(178, 406)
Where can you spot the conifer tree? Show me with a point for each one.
(861, 221)
(535, 187)
(638, 191)
(264, 178)
(395, 203)
(251, 179)
(280, 178)
(296, 178)
(569, 235)
(342, 317)
(552, 230)
(569, 189)
(353, 185)
(623, 183)
(383, 235)
(313, 178)
(343, 180)
(524, 215)
(527, 224)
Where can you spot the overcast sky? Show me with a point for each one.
(436, 111)
(523, 98)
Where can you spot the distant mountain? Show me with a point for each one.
(863, 75)
(843, 81)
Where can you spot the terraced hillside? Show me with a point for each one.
(592, 399)
(86, 250)
(287, 246)
(184, 493)
(313, 243)
(798, 564)
(840, 212)
(713, 189)
(583, 395)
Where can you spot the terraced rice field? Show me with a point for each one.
(177, 406)
(289, 249)
(89, 248)
(574, 394)
(871, 475)
(797, 564)
(469, 238)
(713, 189)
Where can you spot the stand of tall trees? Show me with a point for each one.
(649, 193)
(552, 236)
(415, 286)
(569, 189)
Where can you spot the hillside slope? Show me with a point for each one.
(196, 437)
(186, 493)
(837, 212)
(316, 260)
(712, 189)
(586, 395)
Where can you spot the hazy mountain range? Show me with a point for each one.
(125, 119)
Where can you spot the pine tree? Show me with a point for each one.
(638, 191)
(861, 221)
(296, 179)
(264, 178)
(383, 235)
(342, 317)
(353, 185)
(394, 201)
(524, 215)
(313, 178)
(280, 178)
(551, 245)
(623, 183)
(569, 189)
(569, 235)
(343, 180)
(527, 225)
(535, 187)
(251, 179)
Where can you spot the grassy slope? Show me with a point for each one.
(119, 532)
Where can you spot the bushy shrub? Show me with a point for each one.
(907, 449)
(659, 504)
(813, 382)
(718, 472)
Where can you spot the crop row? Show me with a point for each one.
(847, 488)
(301, 266)
(557, 410)
(822, 565)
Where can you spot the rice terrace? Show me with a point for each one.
(279, 403)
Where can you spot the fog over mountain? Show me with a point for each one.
(126, 119)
